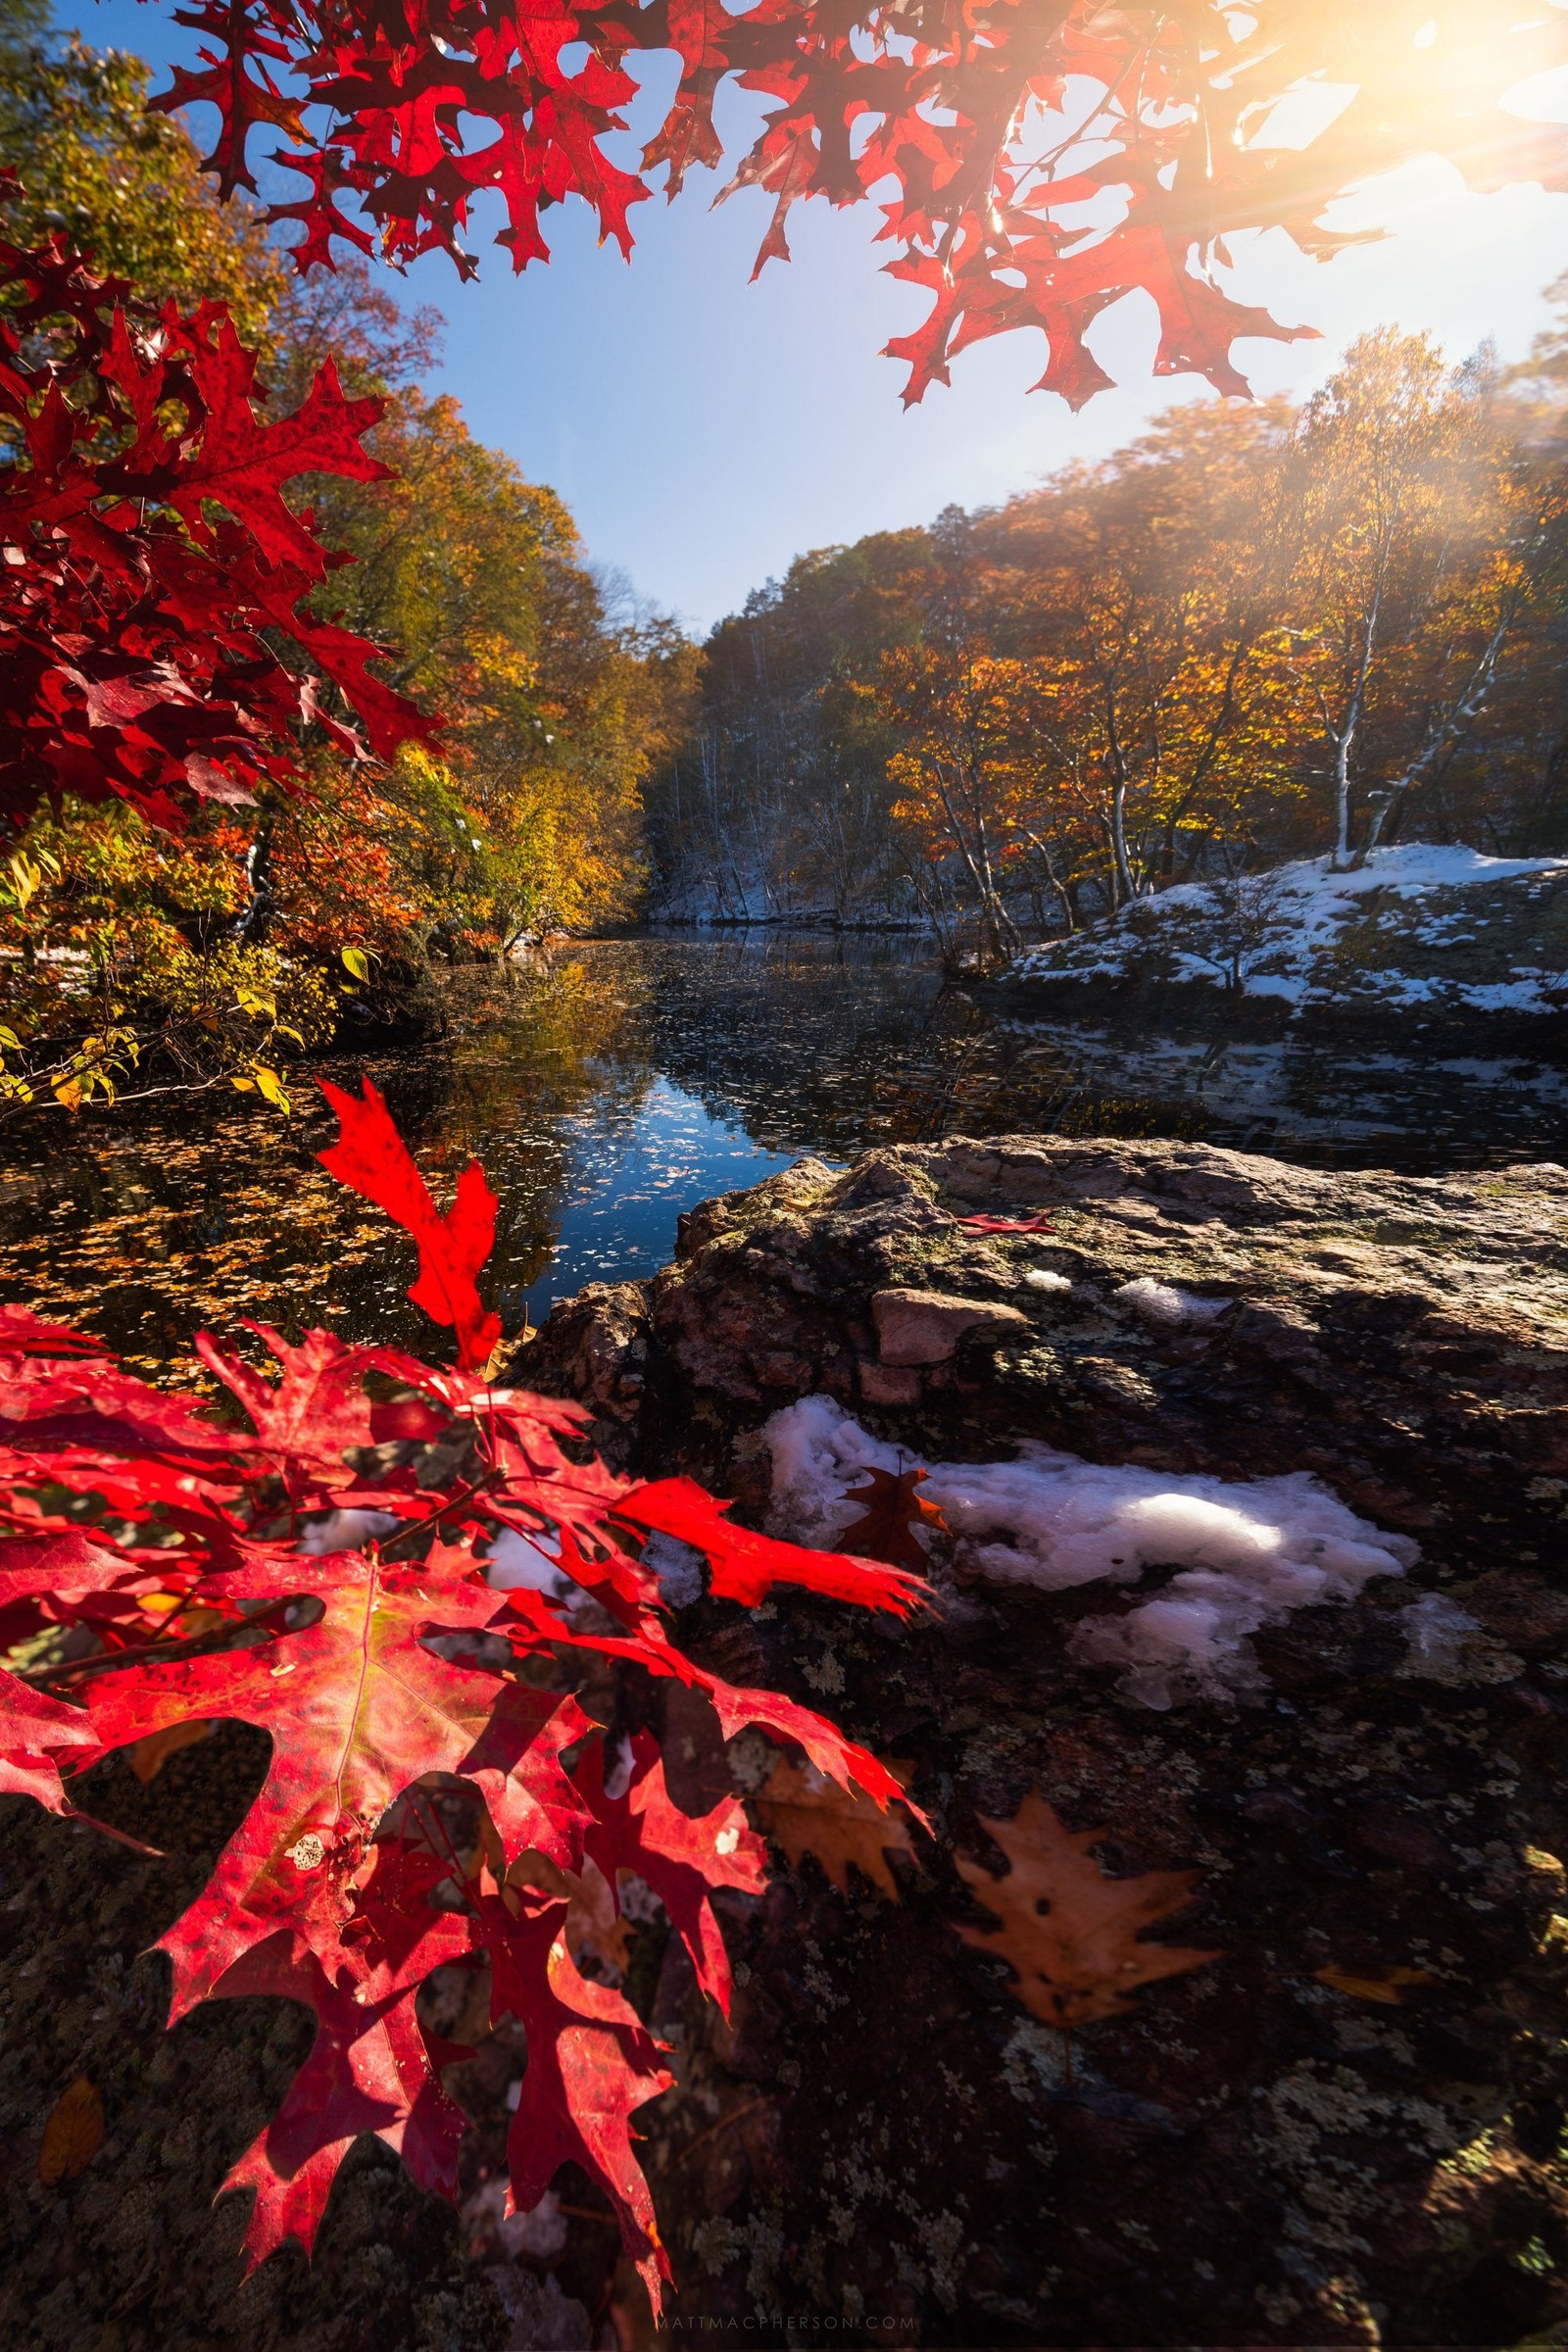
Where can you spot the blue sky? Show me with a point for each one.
(704, 430)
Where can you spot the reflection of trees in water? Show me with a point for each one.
(817, 1043)
(835, 1045)
(539, 1050)
(145, 1231)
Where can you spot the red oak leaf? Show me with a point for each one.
(311, 1417)
(591, 2064)
(372, 1158)
(370, 2069)
(745, 1567)
(681, 1858)
(358, 1708)
(894, 1512)
(36, 1730)
(375, 1675)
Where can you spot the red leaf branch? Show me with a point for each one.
(372, 1670)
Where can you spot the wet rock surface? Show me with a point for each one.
(1348, 2129)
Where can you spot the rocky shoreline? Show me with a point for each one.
(1427, 947)
(1347, 2126)
(1346, 2130)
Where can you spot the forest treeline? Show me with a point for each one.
(1256, 632)
(225, 948)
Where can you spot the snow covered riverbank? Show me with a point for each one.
(1421, 935)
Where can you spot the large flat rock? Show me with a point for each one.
(1346, 2130)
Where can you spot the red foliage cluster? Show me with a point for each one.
(204, 1583)
(146, 550)
(1033, 160)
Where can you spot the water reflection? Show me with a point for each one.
(629, 1079)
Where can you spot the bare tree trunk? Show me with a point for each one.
(1444, 737)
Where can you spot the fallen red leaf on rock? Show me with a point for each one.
(888, 1528)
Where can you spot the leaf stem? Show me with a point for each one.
(124, 1837)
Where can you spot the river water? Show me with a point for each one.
(615, 1086)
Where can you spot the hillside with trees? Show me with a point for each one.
(1255, 633)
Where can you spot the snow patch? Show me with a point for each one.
(347, 1530)
(678, 1567)
(1163, 1303)
(1288, 916)
(531, 1563)
(1247, 1554)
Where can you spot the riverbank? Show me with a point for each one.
(1311, 1645)
(1438, 948)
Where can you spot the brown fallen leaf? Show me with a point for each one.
(149, 1756)
(1383, 1985)
(886, 1529)
(74, 2133)
(1080, 1958)
(593, 1923)
(805, 1813)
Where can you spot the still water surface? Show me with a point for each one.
(623, 1082)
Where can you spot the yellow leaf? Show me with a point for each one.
(271, 1085)
(74, 2133)
(25, 879)
(1384, 1986)
(355, 960)
(149, 1756)
(246, 1086)
(67, 1092)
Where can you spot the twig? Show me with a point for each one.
(736, 2115)
(124, 1837)
(453, 1502)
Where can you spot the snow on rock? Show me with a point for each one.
(678, 1567)
(346, 1531)
(1247, 1552)
(1164, 1302)
(1282, 933)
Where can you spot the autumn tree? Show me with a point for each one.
(122, 181)
(1417, 530)
(1144, 590)
(528, 817)
(777, 799)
